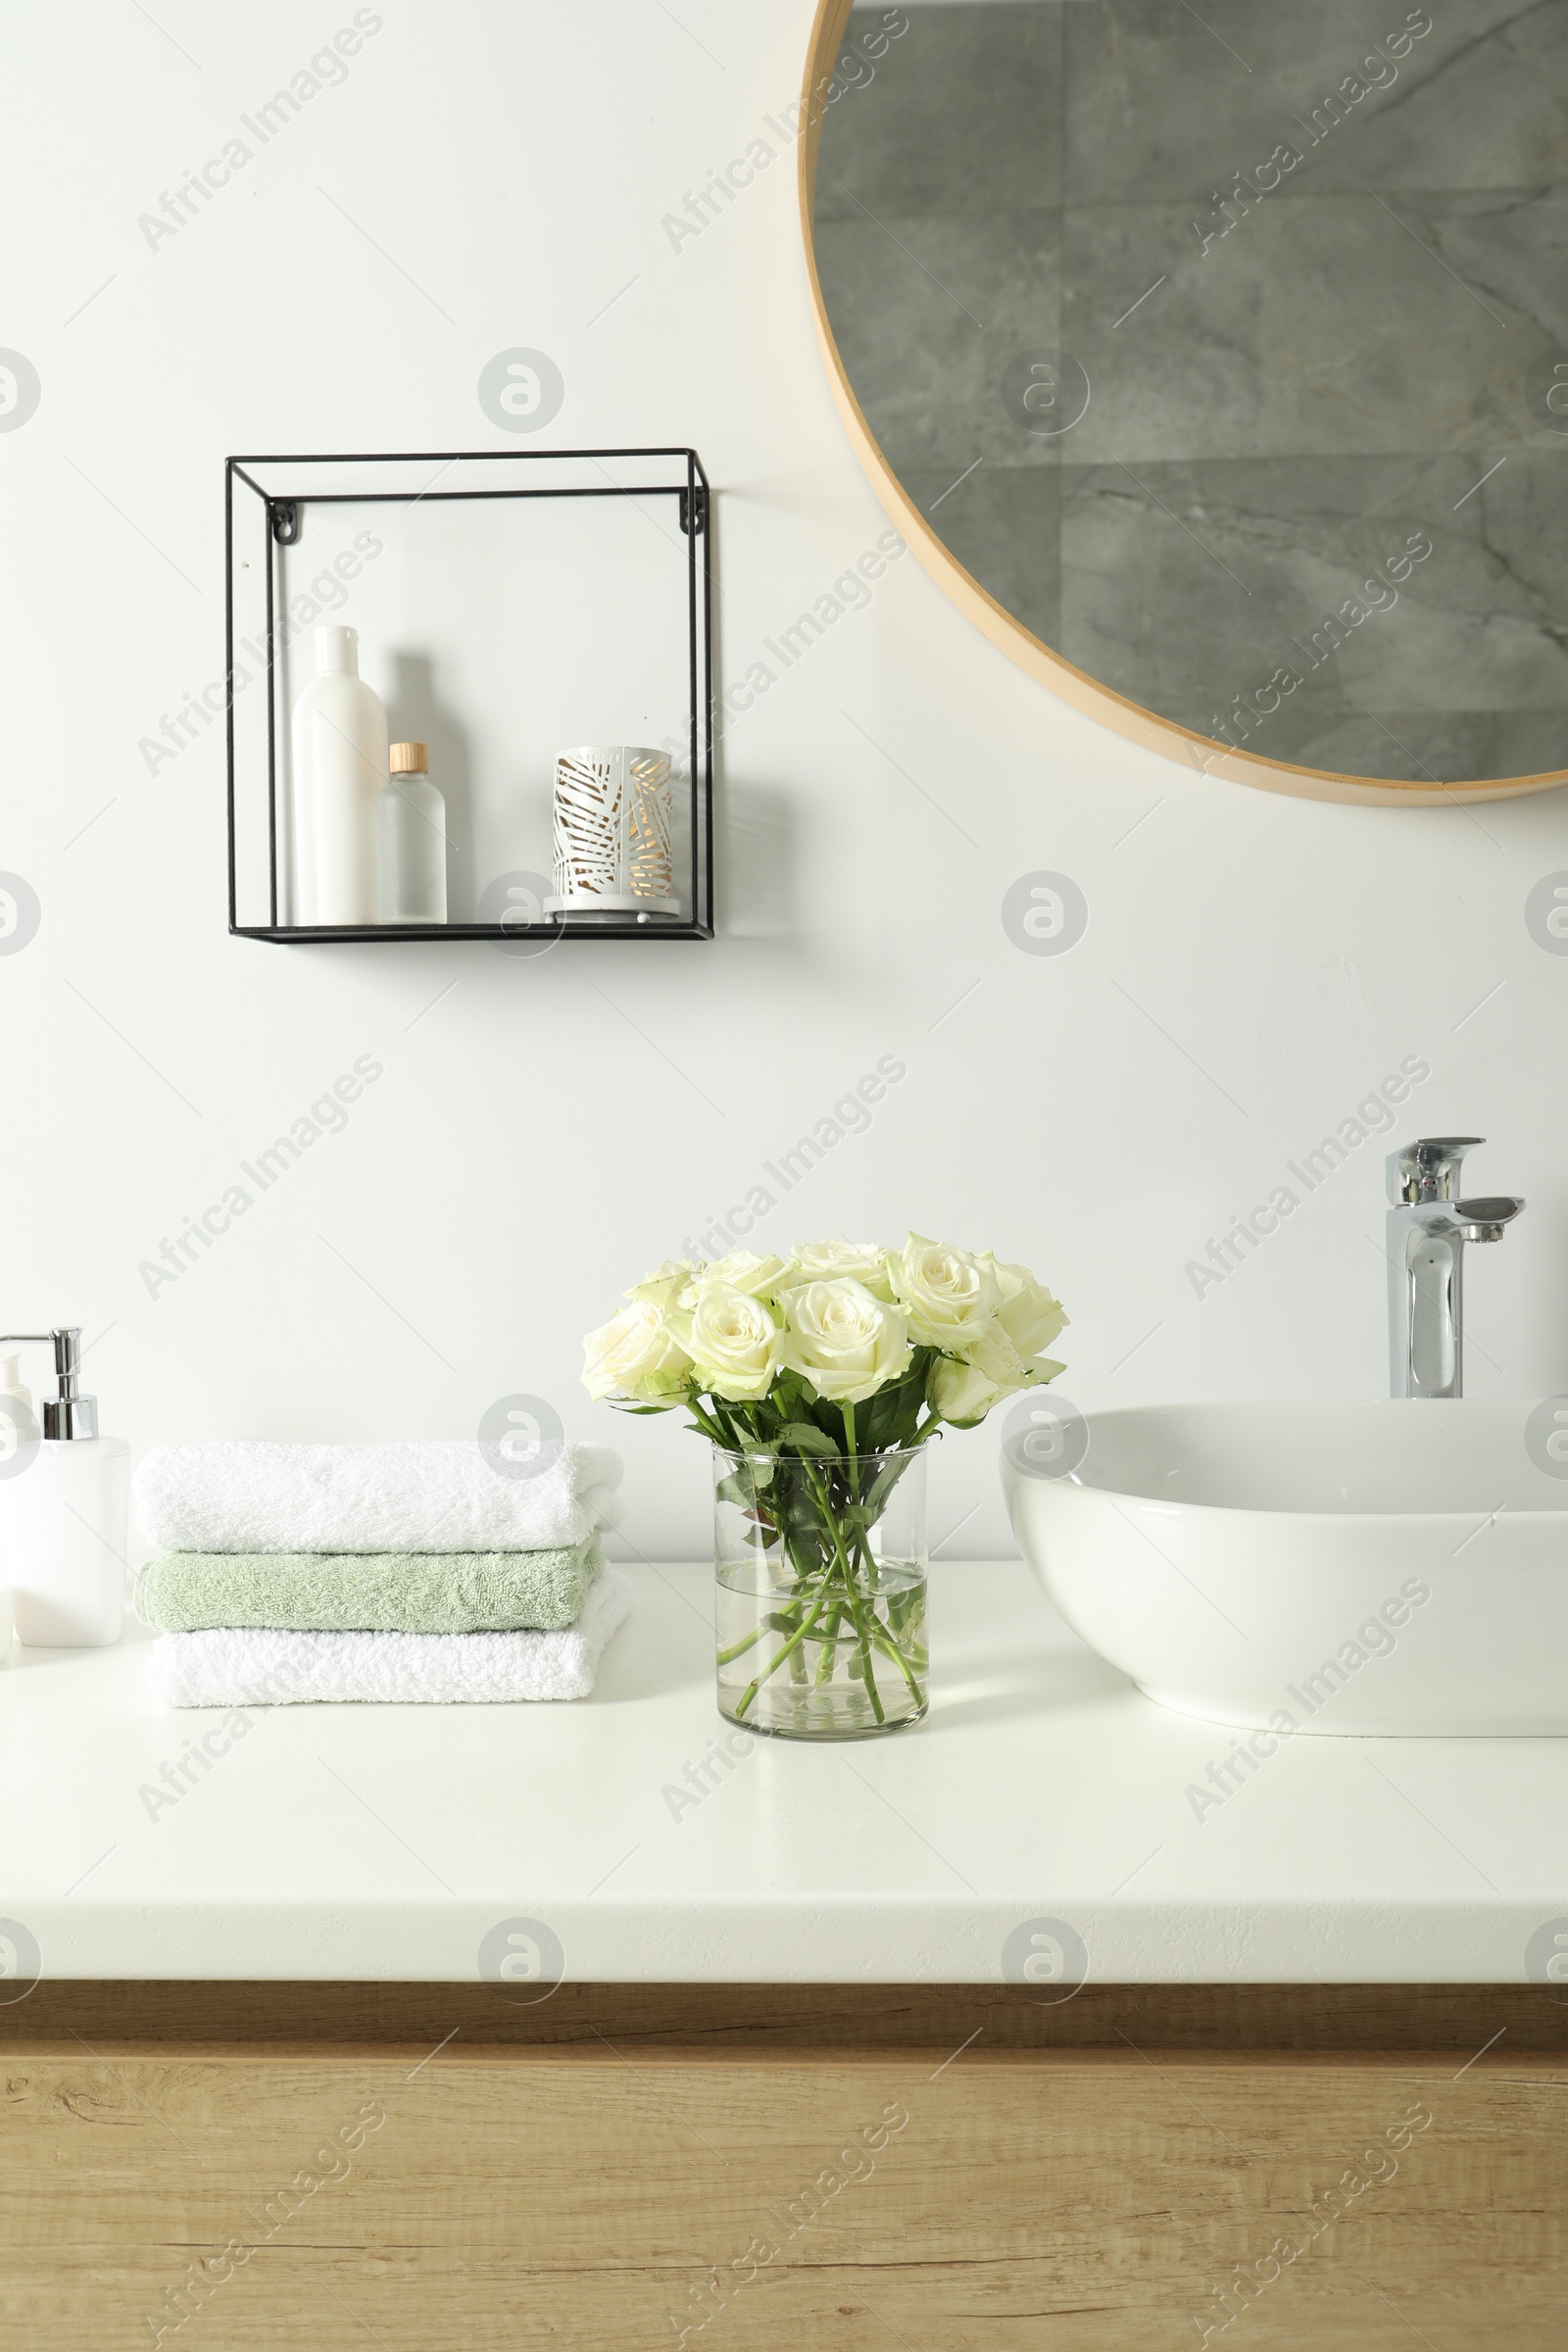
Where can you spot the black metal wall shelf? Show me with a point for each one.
(560, 594)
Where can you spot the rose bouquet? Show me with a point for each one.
(818, 1379)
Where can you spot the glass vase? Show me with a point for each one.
(820, 1565)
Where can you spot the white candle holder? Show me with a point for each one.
(613, 817)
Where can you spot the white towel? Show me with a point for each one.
(224, 1668)
(445, 1496)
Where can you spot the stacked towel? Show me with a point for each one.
(434, 1497)
(404, 1573)
(222, 1668)
(370, 1592)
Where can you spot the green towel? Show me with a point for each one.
(370, 1592)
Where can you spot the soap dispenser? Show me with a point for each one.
(19, 1425)
(63, 1504)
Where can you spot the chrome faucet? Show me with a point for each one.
(1428, 1229)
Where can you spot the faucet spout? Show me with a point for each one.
(1429, 1226)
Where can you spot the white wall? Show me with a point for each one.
(548, 1129)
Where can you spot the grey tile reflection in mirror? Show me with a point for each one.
(1305, 256)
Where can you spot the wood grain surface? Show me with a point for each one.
(757, 2168)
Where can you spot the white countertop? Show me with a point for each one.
(362, 1843)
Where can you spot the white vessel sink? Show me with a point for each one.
(1351, 1568)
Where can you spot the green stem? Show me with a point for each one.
(886, 1642)
(830, 1560)
(851, 1595)
(863, 1658)
(882, 1638)
(789, 1648)
(747, 1641)
(824, 1504)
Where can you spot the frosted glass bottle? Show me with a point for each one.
(340, 756)
(411, 840)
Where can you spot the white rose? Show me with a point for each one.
(634, 1355)
(950, 1297)
(845, 1341)
(664, 1285)
(732, 1339)
(839, 1261)
(744, 1271)
(993, 1354)
(1028, 1313)
(961, 1392)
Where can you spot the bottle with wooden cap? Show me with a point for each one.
(411, 840)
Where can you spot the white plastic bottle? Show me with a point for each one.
(62, 1526)
(411, 840)
(340, 769)
(64, 1508)
(19, 1429)
(17, 1412)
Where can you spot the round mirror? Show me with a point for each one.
(1214, 355)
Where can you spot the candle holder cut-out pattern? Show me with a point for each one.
(613, 810)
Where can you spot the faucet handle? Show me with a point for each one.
(1429, 1169)
(1484, 1220)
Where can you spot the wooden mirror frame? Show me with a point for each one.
(1030, 651)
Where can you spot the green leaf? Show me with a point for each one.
(807, 1438)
